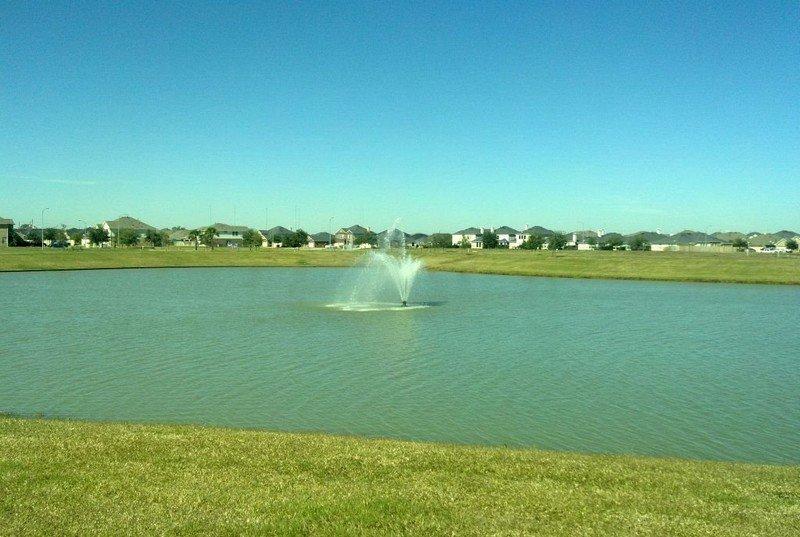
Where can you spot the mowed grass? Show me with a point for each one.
(669, 266)
(81, 478)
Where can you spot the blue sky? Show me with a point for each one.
(624, 116)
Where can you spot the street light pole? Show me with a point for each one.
(42, 230)
(330, 232)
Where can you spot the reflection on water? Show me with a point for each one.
(690, 370)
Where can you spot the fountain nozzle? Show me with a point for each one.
(404, 304)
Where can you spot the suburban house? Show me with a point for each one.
(319, 240)
(6, 229)
(180, 237)
(349, 236)
(395, 239)
(417, 240)
(470, 233)
(113, 227)
(275, 237)
(507, 236)
(230, 236)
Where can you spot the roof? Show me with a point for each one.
(321, 237)
(468, 231)
(505, 230)
(226, 228)
(179, 234)
(653, 237)
(6, 222)
(128, 222)
(688, 236)
(277, 231)
(357, 230)
(418, 237)
(539, 230)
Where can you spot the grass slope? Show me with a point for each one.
(670, 266)
(89, 478)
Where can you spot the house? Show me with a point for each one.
(113, 227)
(396, 238)
(470, 234)
(417, 240)
(319, 240)
(506, 237)
(180, 237)
(6, 231)
(275, 237)
(350, 236)
(230, 236)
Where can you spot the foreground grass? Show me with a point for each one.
(88, 478)
(669, 266)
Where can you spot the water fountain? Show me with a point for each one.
(387, 278)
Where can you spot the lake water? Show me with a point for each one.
(705, 371)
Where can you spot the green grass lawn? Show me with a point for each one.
(86, 478)
(671, 266)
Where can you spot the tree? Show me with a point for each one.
(557, 241)
(591, 240)
(98, 235)
(252, 238)
(297, 239)
(740, 244)
(639, 243)
(439, 240)
(367, 238)
(52, 234)
(611, 243)
(791, 245)
(77, 237)
(156, 238)
(464, 244)
(208, 235)
(194, 236)
(489, 239)
(128, 237)
(533, 242)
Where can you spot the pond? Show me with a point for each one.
(706, 371)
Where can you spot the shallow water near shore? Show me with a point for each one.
(707, 371)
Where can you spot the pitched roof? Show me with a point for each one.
(418, 237)
(226, 228)
(468, 231)
(653, 237)
(128, 222)
(6, 222)
(322, 236)
(687, 236)
(358, 230)
(179, 235)
(277, 231)
(539, 230)
(505, 230)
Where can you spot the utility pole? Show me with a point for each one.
(42, 230)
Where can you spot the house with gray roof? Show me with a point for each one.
(470, 234)
(6, 231)
(349, 236)
(113, 227)
(275, 236)
(228, 235)
(319, 240)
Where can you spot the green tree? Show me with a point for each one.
(489, 239)
(791, 245)
(195, 235)
(76, 237)
(367, 238)
(439, 240)
(591, 240)
(297, 239)
(639, 243)
(156, 238)
(98, 235)
(557, 241)
(533, 242)
(128, 237)
(740, 244)
(464, 244)
(208, 236)
(252, 238)
(52, 234)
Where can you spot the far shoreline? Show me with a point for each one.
(680, 267)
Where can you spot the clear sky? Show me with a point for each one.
(625, 116)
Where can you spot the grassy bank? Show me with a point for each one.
(87, 478)
(668, 266)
